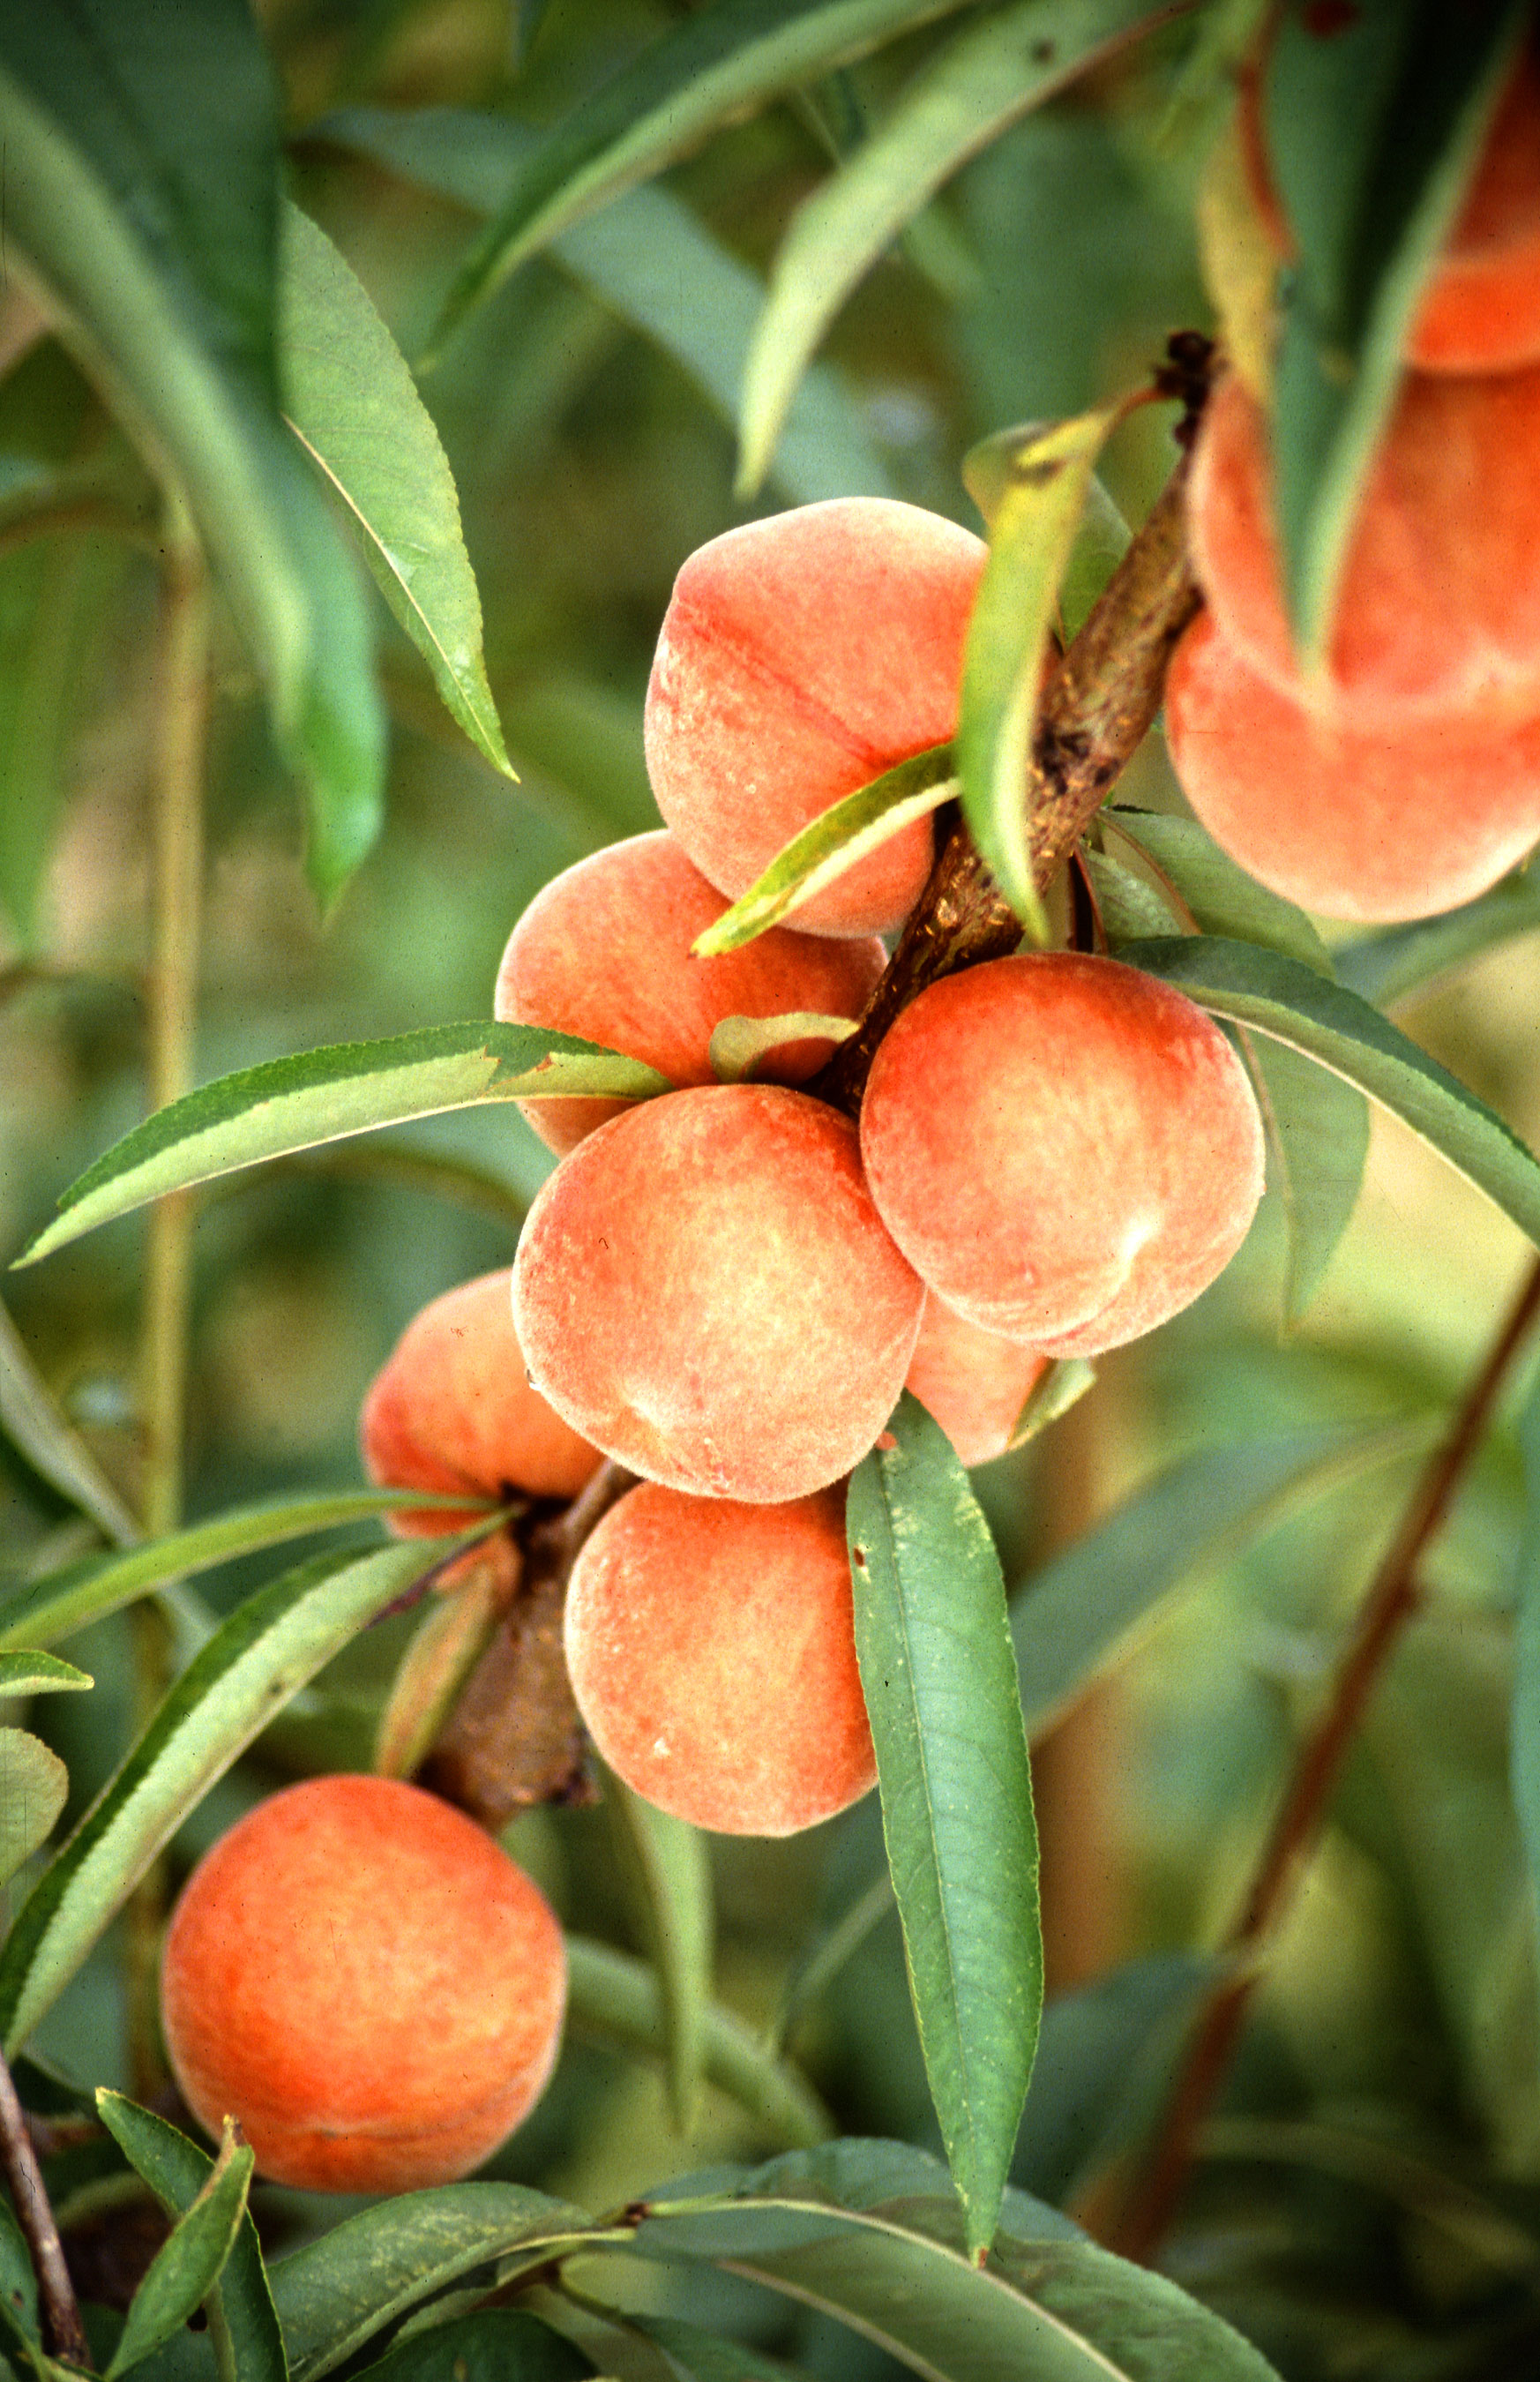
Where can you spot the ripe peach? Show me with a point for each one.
(974, 1383)
(367, 1983)
(1066, 1151)
(1438, 607)
(704, 1289)
(1377, 824)
(799, 658)
(452, 1408)
(713, 1657)
(603, 951)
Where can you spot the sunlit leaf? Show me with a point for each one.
(737, 1044)
(34, 1787)
(39, 1674)
(186, 2267)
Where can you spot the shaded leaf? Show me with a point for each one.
(1061, 1384)
(33, 1421)
(933, 1644)
(668, 1870)
(17, 2282)
(354, 407)
(1093, 2080)
(1385, 967)
(492, 2345)
(1524, 1742)
(34, 1787)
(737, 1044)
(979, 85)
(1318, 1131)
(446, 1648)
(701, 2357)
(830, 844)
(255, 1660)
(1220, 897)
(1086, 1606)
(719, 64)
(1372, 123)
(317, 1096)
(1031, 538)
(186, 2267)
(812, 1975)
(1279, 996)
(649, 260)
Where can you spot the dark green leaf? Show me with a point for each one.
(18, 2280)
(978, 86)
(1218, 896)
(186, 2267)
(1279, 996)
(1524, 1741)
(720, 63)
(1373, 122)
(354, 407)
(34, 1787)
(650, 260)
(737, 1044)
(933, 1643)
(492, 2345)
(289, 1104)
(1031, 535)
(1086, 1606)
(1318, 1131)
(821, 1963)
(668, 1870)
(701, 2357)
(177, 2171)
(1092, 2073)
(256, 1660)
(33, 1422)
(1385, 966)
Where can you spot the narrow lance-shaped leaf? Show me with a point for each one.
(260, 1656)
(1030, 541)
(941, 1691)
(739, 1044)
(318, 1095)
(1218, 896)
(33, 1422)
(666, 1862)
(34, 1787)
(1524, 1740)
(1387, 966)
(983, 81)
(1318, 1132)
(719, 64)
(186, 2267)
(354, 407)
(1372, 123)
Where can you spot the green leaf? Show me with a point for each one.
(1524, 1740)
(17, 2281)
(353, 405)
(830, 844)
(1385, 967)
(1372, 126)
(1105, 2050)
(1218, 896)
(177, 2171)
(256, 1660)
(1086, 1607)
(651, 261)
(1318, 1130)
(1062, 1383)
(722, 62)
(816, 1971)
(700, 2357)
(619, 1998)
(668, 1868)
(737, 1044)
(288, 1104)
(142, 189)
(1031, 538)
(333, 2295)
(33, 1422)
(1262, 989)
(34, 1787)
(492, 2345)
(933, 1644)
(186, 2267)
(979, 85)
(87, 1590)
(39, 1674)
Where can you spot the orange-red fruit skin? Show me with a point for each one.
(367, 1983)
(1066, 1151)
(1371, 825)
(704, 1290)
(1481, 310)
(1439, 607)
(972, 1383)
(799, 658)
(452, 1408)
(711, 1653)
(603, 950)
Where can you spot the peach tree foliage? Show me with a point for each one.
(204, 390)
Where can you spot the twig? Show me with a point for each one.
(1392, 1599)
(63, 2334)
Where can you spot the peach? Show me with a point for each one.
(705, 1291)
(1439, 607)
(603, 951)
(711, 1653)
(367, 1983)
(799, 658)
(1371, 825)
(974, 1384)
(1066, 1151)
(452, 1408)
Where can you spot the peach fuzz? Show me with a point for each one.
(972, 1383)
(603, 951)
(712, 1654)
(1066, 1151)
(367, 1983)
(1438, 605)
(1371, 825)
(452, 1408)
(704, 1290)
(799, 658)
